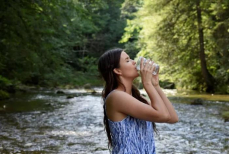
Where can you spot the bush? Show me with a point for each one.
(4, 95)
(4, 82)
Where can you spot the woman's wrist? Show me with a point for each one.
(146, 84)
(157, 86)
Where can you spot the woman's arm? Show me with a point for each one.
(122, 102)
(168, 104)
(156, 100)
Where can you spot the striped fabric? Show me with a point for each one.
(132, 136)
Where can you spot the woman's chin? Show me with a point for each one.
(137, 75)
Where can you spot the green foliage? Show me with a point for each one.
(67, 77)
(89, 64)
(37, 35)
(131, 49)
(4, 82)
(45, 42)
(169, 35)
(130, 37)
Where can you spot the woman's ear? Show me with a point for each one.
(117, 71)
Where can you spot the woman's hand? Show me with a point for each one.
(155, 78)
(146, 71)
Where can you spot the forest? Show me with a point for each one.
(57, 43)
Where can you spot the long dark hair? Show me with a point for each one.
(107, 62)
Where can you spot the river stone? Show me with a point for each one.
(89, 89)
(77, 87)
(28, 144)
(60, 92)
(70, 97)
(166, 84)
(100, 149)
(169, 86)
(22, 89)
(93, 91)
(197, 101)
(87, 86)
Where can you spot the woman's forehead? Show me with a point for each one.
(124, 55)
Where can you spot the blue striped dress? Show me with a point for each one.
(132, 136)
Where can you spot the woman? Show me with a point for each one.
(128, 117)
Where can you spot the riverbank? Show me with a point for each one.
(195, 98)
(184, 97)
(78, 80)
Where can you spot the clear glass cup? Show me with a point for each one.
(156, 70)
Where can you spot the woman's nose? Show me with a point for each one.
(134, 62)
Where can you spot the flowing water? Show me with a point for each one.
(46, 122)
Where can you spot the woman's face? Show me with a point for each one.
(127, 66)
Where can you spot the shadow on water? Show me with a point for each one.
(47, 122)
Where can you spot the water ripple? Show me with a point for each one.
(76, 126)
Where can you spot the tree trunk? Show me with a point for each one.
(208, 78)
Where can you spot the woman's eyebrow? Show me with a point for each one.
(127, 58)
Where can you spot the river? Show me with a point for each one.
(45, 122)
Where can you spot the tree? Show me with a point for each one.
(209, 79)
(181, 36)
(130, 37)
(45, 41)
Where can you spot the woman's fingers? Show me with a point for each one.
(147, 64)
(151, 66)
(156, 68)
(141, 65)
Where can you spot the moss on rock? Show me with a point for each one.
(225, 116)
(4, 95)
(197, 101)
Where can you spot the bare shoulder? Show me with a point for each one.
(122, 102)
(117, 97)
(113, 103)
